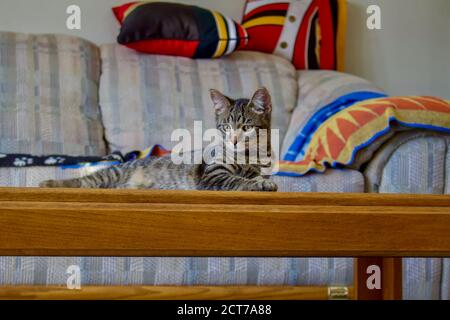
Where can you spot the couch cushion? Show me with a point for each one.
(145, 97)
(49, 95)
(329, 181)
(31, 176)
(177, 271)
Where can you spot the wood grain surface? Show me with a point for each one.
(167, 292)
(66, 222)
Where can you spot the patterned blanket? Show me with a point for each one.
(74, 162)
(332, 139)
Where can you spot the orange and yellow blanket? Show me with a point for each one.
(337, 140)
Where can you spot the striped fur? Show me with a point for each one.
(234, 119)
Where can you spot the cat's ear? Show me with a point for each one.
(221, 102)
(261, 101)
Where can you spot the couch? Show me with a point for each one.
(65, 95)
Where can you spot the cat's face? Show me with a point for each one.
(240, 121)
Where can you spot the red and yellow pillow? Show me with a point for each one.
(310, 33)
(177, 29)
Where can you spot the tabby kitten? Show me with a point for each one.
(235, 119)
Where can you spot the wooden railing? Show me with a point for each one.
(66, 222)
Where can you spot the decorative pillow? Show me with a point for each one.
(310, 33)
(337, 140)
(177, 29)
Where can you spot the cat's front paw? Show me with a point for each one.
(49, 184)
(263, 185)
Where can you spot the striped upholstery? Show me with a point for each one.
(445, 290)
(31, 176)
(177, 271)
(422, 278)
(416, 162)
(417, 166)
(49, 95)
(329, 181)
(145, 97)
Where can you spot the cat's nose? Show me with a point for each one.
(234, 139)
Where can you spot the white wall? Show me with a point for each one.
(410, 55)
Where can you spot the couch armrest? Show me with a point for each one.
(414, 161)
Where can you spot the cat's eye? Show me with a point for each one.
(226, 127)
(247, 128)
